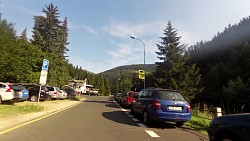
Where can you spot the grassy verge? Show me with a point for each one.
(9, 110)
(200, 121)
(199, 124)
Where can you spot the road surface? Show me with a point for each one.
(98, 119)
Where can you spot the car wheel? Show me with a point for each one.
(179, 124)
(33, 98)
(227, 137)
(0, 100)
(69, 96)
(146, 118)
(132, 110)
(49, 98)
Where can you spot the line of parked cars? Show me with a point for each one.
(20, 92)
(155, 104)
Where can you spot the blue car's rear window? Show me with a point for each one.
(169, 95)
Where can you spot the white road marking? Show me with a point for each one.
(142, 125)
(135, 119)
(131, 116)
(152, 134)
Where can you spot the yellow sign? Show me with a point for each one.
(141, 74)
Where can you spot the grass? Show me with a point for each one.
(199, 122)
(30, 108)
(9, 110)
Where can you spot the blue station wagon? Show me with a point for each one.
(156, 104)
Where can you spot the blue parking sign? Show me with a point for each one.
(45, 64)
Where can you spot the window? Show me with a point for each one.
(144, 94)
(150, 95)
(2, 86)
(169, 95)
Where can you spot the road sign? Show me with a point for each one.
(45, 64)
(44, 72)
(43, 77)
(141, 74)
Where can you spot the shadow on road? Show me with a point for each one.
(107, 103)
(194, 132)
(118, 116)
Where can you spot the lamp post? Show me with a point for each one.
(133, 37)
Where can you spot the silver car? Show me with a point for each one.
(54, 92)
(63, 94)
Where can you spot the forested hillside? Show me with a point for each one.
(225, 63)
(115, 72)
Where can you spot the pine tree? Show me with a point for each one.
(107, 87)
(173, 71)
(51, 35)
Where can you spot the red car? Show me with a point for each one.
(128, 98)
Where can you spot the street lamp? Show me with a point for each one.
(133, 37)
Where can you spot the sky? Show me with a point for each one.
(100, 30)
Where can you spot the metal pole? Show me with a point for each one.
(133, 37)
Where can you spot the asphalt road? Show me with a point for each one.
(98, 119)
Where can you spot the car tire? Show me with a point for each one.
(146, 118)
(179, 124)
(132, 110)
(69, 96)
(33, 98)
(49, 98)
(227, 137)
(1, 100)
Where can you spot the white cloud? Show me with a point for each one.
(152, 30)
(123, 30)
(74, 26)
(90, 30)
(123, 55)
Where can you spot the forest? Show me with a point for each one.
(214, 72)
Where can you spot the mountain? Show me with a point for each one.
(128, 69)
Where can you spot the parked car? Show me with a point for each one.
(156, 104)
(6, 92)
(63, 94)
(29, 85)
(20, 92)
(93, 93)
(54, 92)
(234, 127)
(25, 92)
(70, 92)
(127, 99)
(117, 96)
(17, 92)
(34, 93)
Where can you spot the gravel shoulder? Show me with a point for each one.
(49, 107)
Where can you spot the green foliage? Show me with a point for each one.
(173, 70)
(107, 88)
(125, 78)
(199, 124)
(29, 108)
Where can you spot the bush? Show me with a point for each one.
(29, 108)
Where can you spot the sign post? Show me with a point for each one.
(43, 76)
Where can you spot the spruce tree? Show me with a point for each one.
(173, 71)
(51, 35)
